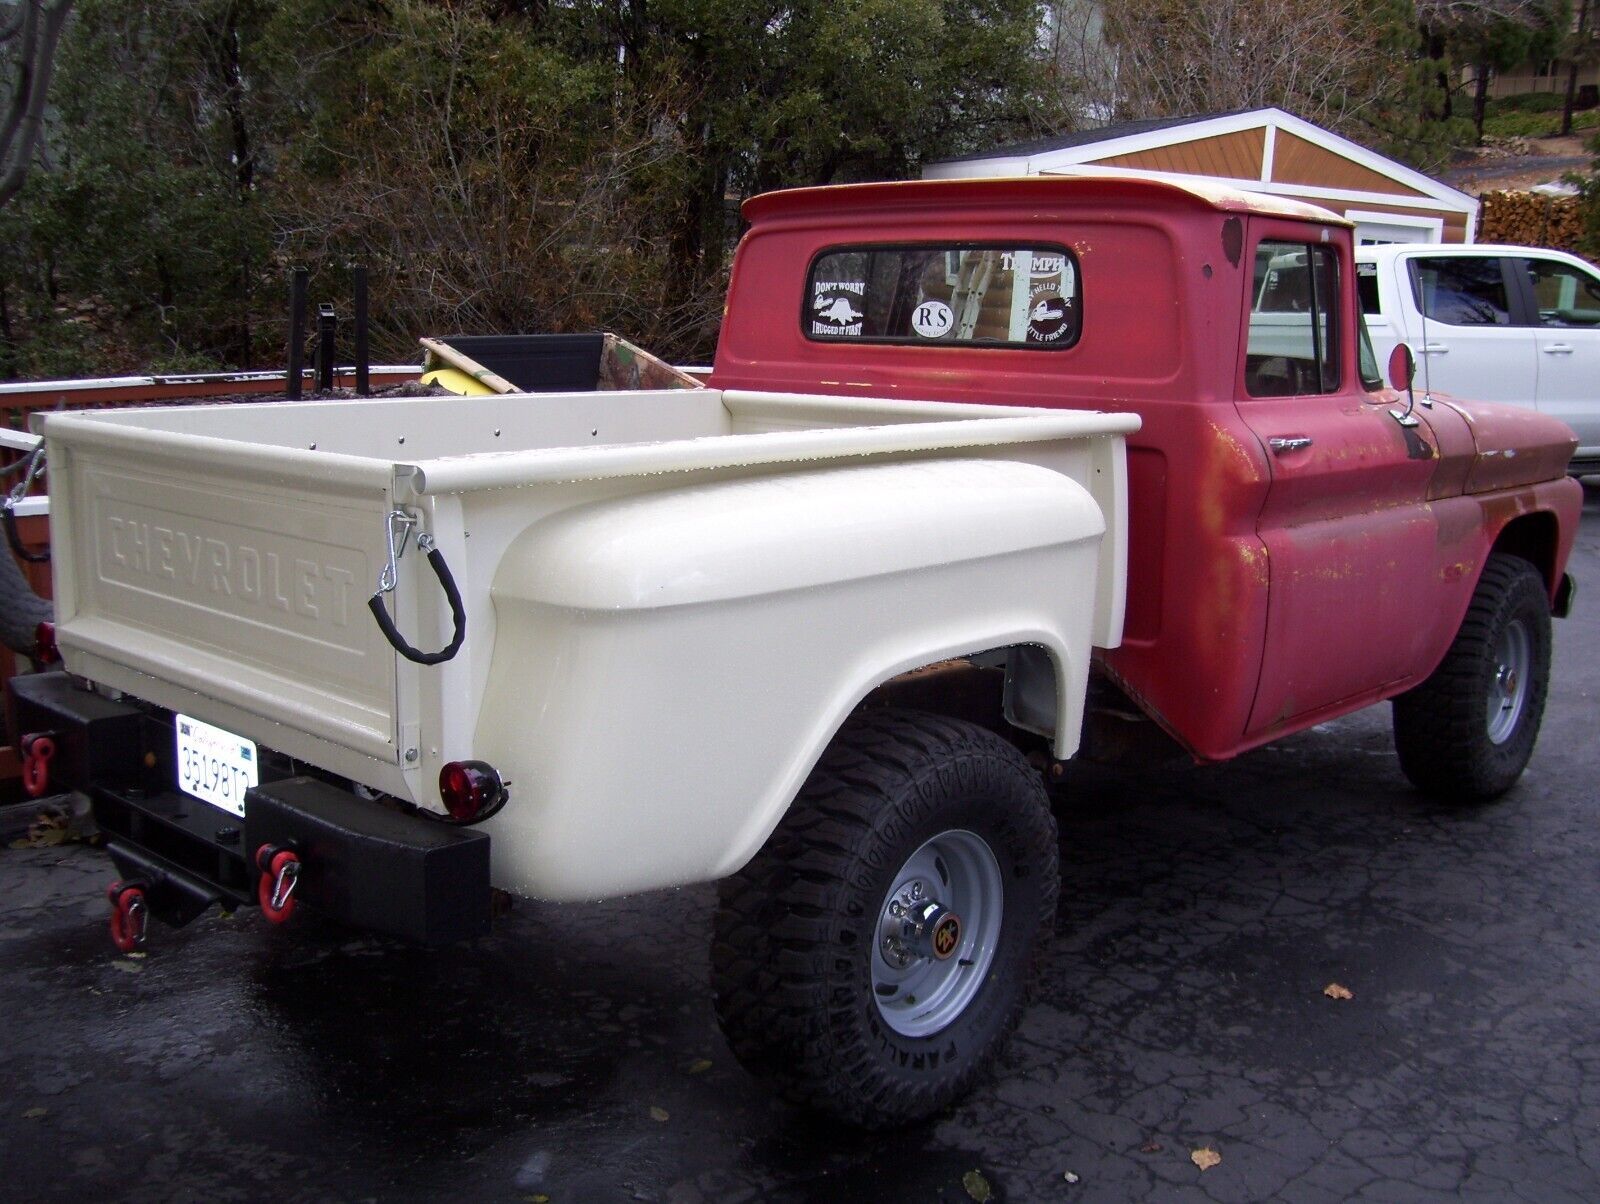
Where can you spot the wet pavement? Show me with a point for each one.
(573, 1055)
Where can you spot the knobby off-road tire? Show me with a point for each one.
(1465, 734)
(820, 989)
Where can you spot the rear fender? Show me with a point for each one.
(669, 667)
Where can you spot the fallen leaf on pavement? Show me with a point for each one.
(1334, 991)
(660, 1114)
(977, 1186)
(700, 1067)
(35, 1113)
(1205, 1157)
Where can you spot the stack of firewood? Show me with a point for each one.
(1530, 219)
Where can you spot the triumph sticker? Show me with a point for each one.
(836, 307)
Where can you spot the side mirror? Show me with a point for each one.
(1402, 368)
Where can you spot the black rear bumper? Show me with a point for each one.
(362, 862)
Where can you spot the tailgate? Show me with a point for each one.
(194, 566)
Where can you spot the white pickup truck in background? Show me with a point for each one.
(1493, 323)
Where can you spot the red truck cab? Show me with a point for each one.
(1302, 541)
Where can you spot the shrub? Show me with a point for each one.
(1528, 102)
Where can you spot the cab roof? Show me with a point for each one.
(1031, 190)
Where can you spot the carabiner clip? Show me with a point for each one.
(397, 527)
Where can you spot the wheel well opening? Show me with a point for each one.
(1011, 691)
(1534, 538)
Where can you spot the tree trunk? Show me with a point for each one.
(1436, 55)
(1480, 97)
(244, 176)
(1572, 67)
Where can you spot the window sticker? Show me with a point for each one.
(945, 293)
(933, 319)
(836, 307)
(1047, 319)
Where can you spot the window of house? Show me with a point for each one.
(1006, 296)
(1293, 346)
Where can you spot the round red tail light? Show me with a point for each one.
(471, 790)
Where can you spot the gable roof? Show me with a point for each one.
(1088, 150)
(1106, 133)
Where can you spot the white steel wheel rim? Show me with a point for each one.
(1508, 685)
(919, 994)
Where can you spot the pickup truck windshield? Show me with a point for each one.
(946, 293)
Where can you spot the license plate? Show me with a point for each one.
(215, 765)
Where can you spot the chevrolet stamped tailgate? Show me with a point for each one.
(194, 568)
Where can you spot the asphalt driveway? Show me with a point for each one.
(573, 1055)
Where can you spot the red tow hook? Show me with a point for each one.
(129, 915)
(280, 871)
(37, 749)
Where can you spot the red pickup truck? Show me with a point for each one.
(1302, 541)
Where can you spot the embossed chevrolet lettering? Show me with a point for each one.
(313, 589)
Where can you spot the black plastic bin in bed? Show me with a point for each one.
(543, 363)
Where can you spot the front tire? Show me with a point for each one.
(875, 954)
(1466, 734)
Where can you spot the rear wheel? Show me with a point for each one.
(875, 954)
(1466, 733)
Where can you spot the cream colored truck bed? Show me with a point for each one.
(672, 598)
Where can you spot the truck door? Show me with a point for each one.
(1565, 304)
(1460, 325)
(1349, 542)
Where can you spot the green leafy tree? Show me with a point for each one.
(146, 232)
(496, 164)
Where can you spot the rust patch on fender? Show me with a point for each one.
(1417, 448)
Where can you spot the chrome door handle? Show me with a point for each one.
(1558, 349)
(1435, 348)
(1281, 445)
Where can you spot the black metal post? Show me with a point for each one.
(297, 333)
(327, 330)
(363, 384)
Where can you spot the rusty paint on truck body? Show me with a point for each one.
(1268, 589)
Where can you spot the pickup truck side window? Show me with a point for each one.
(1005, 296)
(1367, 287)
(1565, 296)
(1294, 321)
(1461, 290)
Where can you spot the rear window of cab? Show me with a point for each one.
(982, 294)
